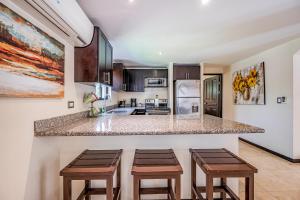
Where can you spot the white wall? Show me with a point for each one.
(296, 113)
(210, 68)
(29, 165)
(276, 119)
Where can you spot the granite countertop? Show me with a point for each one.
(116, 125)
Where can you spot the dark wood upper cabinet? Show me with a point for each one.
(118, 69)
(86, 61)
(134, 79)
(109, 64)
(102, 58)
(156, 73)
(93, 63)
(186, 72)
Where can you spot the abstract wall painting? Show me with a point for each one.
(31, 62)
(249, 85)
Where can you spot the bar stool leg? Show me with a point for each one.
(177, 188)
(119, 179)
(193, 178)
(67, 188)
(169, 188)
(209, 187)
(223, 183)
(109, 188)
(249, 188)
(136, 188)
(87, 186)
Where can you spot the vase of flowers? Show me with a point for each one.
(243, 84)
(91, 98)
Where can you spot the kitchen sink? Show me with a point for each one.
(139, 112)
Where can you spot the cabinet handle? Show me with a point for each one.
(188, 75)
(108, 77)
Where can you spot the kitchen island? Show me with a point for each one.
(130, 132)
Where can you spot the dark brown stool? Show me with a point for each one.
(220, 163)
(94, 165)
(156, 164)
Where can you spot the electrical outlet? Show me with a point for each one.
(71, 104)
(281, 100)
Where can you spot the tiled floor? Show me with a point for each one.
(277, 179)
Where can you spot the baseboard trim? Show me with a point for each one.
(272, 152)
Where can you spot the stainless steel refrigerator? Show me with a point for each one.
(187, 96)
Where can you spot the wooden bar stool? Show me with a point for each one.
(220, 163)
(94, 165)
(156, 164)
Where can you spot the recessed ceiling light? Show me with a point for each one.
(205, 2)
(131, 1)
(160, 53)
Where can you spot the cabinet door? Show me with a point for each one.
(186, 72)
(194, 73)
(118, 69)
(180, 72)
(134, 80)
(139, 80)
(108, 64)
(130, 80)
(125, 80)
(102, 58)
(86, 62)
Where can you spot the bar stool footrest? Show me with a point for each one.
(98, 191)
(158, 190)
(216, 189)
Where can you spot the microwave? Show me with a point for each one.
(156, 82)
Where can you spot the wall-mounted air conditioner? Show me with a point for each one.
(68, 17)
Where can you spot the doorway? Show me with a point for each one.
(213, 94)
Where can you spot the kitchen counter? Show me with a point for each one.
(130, 132)
(124, 124)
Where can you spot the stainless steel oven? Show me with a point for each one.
(156, 82)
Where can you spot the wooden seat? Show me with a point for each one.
(94, 165)
(223, 164)
(156, 164)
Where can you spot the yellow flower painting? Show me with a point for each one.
(249, 85)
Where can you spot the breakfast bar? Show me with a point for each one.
(125, 125)
(73, 134)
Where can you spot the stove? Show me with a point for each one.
(162, 108)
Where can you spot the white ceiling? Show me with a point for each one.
(223, 31)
